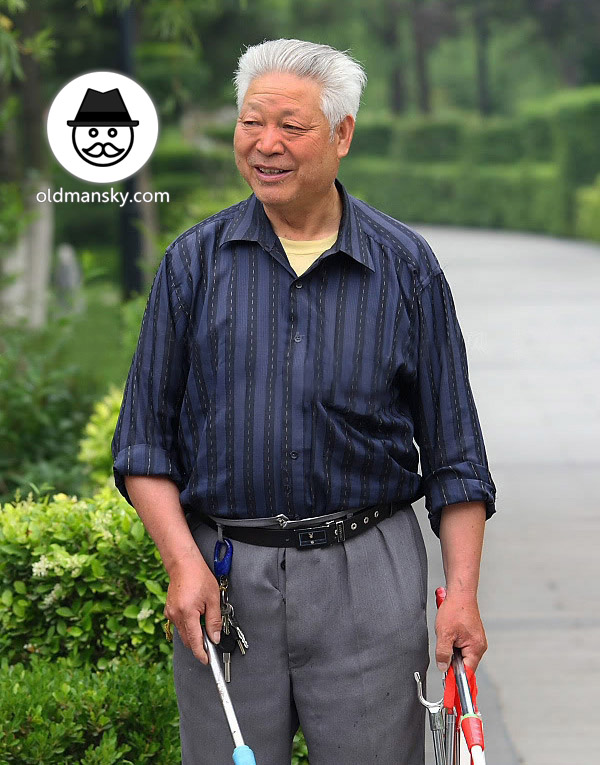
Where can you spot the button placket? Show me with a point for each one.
(296, 411)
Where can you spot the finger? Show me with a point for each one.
(472, 653)
(213, 620)
(443, 653)
(196, 638)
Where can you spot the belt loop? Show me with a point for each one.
(219, 532)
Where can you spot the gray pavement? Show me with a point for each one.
(529, 307)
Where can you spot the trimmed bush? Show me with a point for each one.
(79, 578)
(220, 133)
(492, 141)
(520, 197)
(575, 116)
(429, 139)
(537, 137)
(215, 166)
(373, 136)
(587, 218)
(54, 713)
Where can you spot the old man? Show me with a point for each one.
(298, 354)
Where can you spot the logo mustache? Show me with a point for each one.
(98, 149)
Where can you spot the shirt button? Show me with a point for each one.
(297, 338)
(294, 455)
(298, 285)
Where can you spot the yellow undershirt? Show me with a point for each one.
(302, 254)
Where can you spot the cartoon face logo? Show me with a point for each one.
(103, 130)
(103, 146)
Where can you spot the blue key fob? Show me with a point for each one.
(223, 556)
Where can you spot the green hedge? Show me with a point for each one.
(57, 714)
(79, 578)
(373, 135)
(587, 218)
(575, 117)
(429, 139)
(537, 137)
(520, 197)
(493, 141)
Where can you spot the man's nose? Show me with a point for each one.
(269, 140)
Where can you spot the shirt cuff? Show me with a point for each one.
(448, 486)
(142, 459)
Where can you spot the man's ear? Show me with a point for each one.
(343, 135)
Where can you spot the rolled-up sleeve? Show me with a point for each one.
(145, 438)
(447, 430)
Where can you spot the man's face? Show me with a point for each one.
(281, 128)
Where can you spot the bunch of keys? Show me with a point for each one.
(231, 632)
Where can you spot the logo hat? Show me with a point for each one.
(99, 108)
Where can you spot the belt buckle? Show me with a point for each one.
(313, 537)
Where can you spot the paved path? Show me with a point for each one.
(529, 307)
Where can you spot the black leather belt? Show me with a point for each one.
(328, 533)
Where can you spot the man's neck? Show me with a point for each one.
(318, 221)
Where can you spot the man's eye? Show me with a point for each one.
(250, 123)
(292, 127)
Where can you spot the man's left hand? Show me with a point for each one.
(458, 625)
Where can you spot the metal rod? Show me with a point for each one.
(464, 692)
(215, 666)
(450, 734)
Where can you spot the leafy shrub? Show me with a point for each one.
(43, 409)
(54, 713)
(94, 448)
(79, 578)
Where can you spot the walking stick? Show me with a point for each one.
(459, 709)
(242, 754)
(459, 695)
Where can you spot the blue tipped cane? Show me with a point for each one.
(242, 754)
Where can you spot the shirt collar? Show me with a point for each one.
(251, 224)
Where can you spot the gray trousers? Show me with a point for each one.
(335, 637)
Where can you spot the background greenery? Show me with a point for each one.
(477, 112)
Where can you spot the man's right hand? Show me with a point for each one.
(193, 591)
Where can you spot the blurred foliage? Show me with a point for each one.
(522, 196)
(94, 448)
(587, 220)
(54, 713)
(43, 409)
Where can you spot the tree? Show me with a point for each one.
(430, 21)
(26, 47)
(570, 27)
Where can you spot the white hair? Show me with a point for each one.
(342, 78)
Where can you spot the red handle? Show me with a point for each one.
(440, 596)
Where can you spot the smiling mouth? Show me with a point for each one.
(270, 172)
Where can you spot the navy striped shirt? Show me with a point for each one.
(260, 392)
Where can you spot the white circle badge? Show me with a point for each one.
(102, 127)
